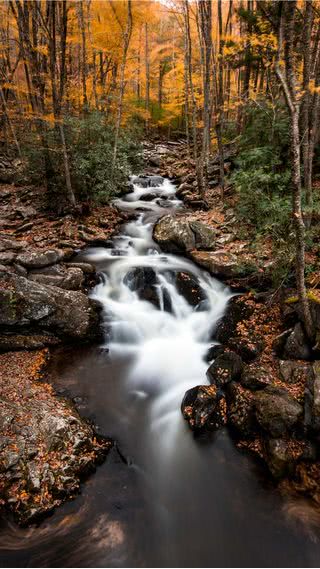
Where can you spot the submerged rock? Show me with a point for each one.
(204, 408)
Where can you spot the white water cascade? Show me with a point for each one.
(168, 338)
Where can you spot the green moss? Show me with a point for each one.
(310, 295)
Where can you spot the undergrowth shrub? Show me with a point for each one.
(90, 141)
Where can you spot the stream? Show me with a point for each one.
(163, 498)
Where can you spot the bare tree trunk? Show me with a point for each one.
(83, 53)
(205, 26)
(305, 107)
(288, 83)
(220, 101)
(147, 70)
(126, 41)
(199, 169)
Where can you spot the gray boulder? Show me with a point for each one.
(29, 304)
(70, 278)
(39, 259)
(219, 263)
(205, 236)
(174, 235)
(276, 411)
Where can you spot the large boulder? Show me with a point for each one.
(204, 408)
(188, 286)
(237, 311)
(226, 368)
(174, 235)
(27, 304)
(205, 236)
(294, 372)
(219, 263)
(255, 379)
(68, 278)
(39, 259)
(144, 281)
(276, 411)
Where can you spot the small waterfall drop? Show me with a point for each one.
(146, 313)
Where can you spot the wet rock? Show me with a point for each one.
(204, 408)
(213, 352)
(188, 286)
(276, 411)
(29, 304)
(226, 368)
(39, 259)
(140, 277)
(240, 410)
(248, 348)
(255, 379)
(219, 263)
(237, 311)
(149, 197)
(155, 181)
(174, 235)
(279, 457)
(205, 236)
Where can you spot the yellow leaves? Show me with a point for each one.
(313, 88)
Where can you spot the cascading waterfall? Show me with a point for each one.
(177, 502)
(167, 336)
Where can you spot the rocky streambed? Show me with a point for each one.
(242, 374)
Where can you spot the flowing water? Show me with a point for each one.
(163, 498)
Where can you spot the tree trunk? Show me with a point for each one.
(147, 70)
(288, 82)
(126, 41)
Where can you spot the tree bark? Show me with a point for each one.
(126, 42)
